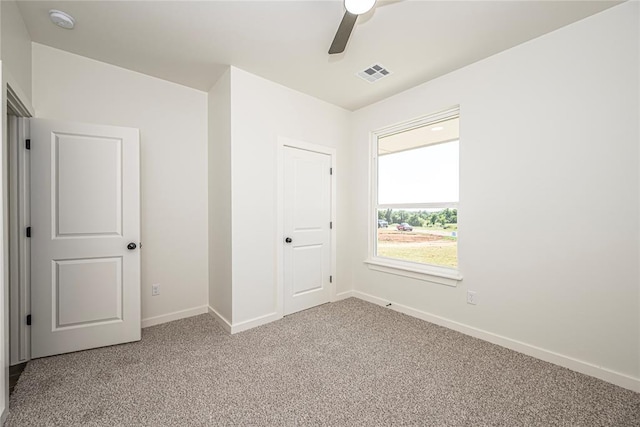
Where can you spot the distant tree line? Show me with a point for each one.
(420, 218)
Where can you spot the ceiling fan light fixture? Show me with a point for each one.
(358, 7)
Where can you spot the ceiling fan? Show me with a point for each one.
(354, 8)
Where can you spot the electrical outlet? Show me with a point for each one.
(472, 298)
(155, 289)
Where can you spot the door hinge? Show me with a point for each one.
(331, 225)
(28, 231)
(27, 144)
(28, 320)
(330, 279)
(330, 171)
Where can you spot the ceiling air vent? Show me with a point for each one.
(374, 73)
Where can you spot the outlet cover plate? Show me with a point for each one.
(472, 298)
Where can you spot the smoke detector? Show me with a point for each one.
(62, 19)
(373, 73)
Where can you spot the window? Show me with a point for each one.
(415, 197)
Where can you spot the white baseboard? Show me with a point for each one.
(258, 321)
(343, 295)
(176, 315)
(583, 367)
(252, 323)
(226, 325)
(245, 325)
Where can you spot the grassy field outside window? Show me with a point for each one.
(434, 245)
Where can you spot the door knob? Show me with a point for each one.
(131, 246)
(288, 240)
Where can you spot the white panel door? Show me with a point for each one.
(85, 234)
(307, 217)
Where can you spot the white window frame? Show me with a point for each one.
(426, 272)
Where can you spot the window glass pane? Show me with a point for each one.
(420, 175)
(428, 236)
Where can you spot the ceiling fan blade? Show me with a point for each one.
(343, 33)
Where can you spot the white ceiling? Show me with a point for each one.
(192, 42)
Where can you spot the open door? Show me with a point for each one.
(85, 234)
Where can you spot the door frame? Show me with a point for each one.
(16, 214)
(19, 246)
(279, 237)
(11, 98)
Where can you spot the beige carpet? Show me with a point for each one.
(346, 363)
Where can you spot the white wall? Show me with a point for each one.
(549, 219)
(15, 45)
(173, 129)
(261, 111)
(220, 219)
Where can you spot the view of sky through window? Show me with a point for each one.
(421, 175)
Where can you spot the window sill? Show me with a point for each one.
(434, 274)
